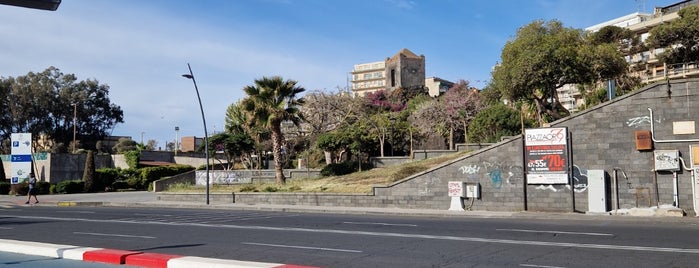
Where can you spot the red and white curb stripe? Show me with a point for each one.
(133, 258)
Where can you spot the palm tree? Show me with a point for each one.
(271, 101)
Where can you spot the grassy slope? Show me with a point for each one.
(358, 182)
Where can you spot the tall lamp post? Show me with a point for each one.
(75, 121)
(206, 135)
(177, 142)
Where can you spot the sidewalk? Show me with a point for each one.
(149, 199)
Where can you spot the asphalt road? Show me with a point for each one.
(329, 240)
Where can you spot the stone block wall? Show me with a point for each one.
(602, 138)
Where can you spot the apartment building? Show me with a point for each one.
(645, 64)
(404, 70)
(368, 77)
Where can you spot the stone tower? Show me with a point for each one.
(405, 70)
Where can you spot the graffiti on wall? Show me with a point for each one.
(638, 121)
(579, 182)
(497, 173)
(470, 169)
(641, 121)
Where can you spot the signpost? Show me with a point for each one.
(21, 158)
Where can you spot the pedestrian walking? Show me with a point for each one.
(32, 189)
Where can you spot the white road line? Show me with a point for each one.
(380, 223)
(150, 214)
(6, 228)
(381, 234)
(540, 266)
(77, 211)
(117, 235)
(302, 247)
(553, 232)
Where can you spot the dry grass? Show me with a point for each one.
(358, 182)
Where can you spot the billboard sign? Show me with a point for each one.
(21, 158)
(546, 155)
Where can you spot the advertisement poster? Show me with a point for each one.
(21, 158)
(546, 155)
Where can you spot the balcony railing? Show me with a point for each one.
(680, 70)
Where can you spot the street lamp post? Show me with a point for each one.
(177, 142)
(206, 135)
(75, 120)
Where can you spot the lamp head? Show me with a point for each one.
(188, 76)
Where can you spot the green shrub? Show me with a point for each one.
(338, 169)
(5, 187)
(70, 187)
(43, 187)
(151, 174)
(104, 177)
(22, 188)
(120, 185)
(132, 157)
(52, 189)
(89, 172)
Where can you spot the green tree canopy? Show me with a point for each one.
(679, 38)
(495, 122)
(544, 56)
(232, 145)
(43, 103)
(269, 102)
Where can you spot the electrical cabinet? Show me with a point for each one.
(596, 191)
(473, 190)
(667, 160)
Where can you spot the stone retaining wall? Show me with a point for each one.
(602, 138)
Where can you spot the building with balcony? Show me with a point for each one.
(368, 77)
(403, 70)
(645, 64)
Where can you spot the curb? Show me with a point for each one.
(127, 257)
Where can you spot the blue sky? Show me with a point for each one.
(140, 48)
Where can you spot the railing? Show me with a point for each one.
(678, 70)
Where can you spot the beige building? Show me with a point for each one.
(368, 77)
(645, 64)
(404, 70)
(437, 86)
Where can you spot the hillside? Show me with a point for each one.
(358, 182)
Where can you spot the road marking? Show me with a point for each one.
(6, 228)
(553, 232)
(117, 235)
(150, 214)
(76, 211)
(540, 266)
(379, 223)
(302, 247)
(380, 234)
